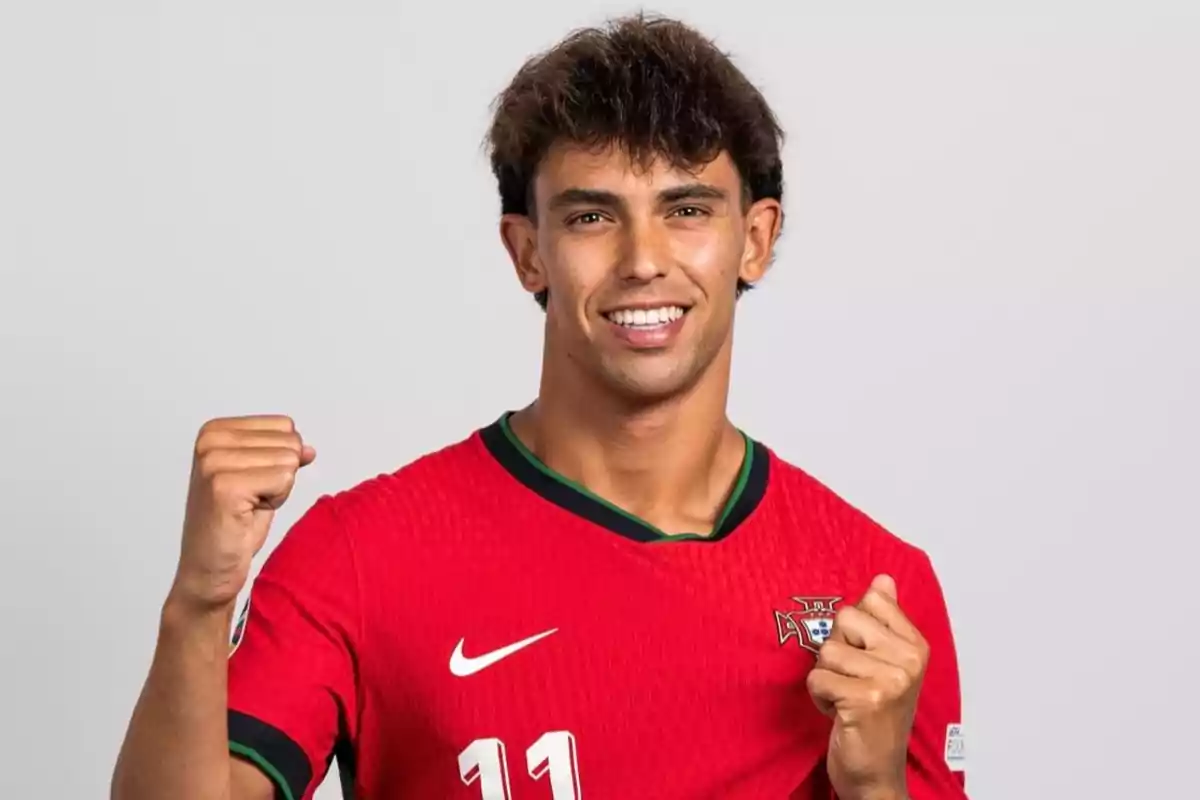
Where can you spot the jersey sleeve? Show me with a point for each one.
(935, 756)
(292, 684)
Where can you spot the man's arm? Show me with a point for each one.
(177, 744)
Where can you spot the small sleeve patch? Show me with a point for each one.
(956, 751)
(239, 628)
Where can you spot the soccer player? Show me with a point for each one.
(612, 593)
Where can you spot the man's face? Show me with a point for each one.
(641, 266)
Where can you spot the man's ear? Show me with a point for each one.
(763, 222)
(519, 234)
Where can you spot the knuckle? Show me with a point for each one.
(833, 653)
(211, 426)
(204, 440)
(282, 480)
(224, 484)
(915, 656)
(207, 466)
(213, 439)
(830, 649)
(898, 681)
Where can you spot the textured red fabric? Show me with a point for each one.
(670, 673)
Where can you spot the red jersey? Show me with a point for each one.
(475, 626)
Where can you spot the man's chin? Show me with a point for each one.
(649, 384)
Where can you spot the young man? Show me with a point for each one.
(613, 592)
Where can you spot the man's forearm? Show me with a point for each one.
(177, 742)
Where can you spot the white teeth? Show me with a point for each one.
(646, 317)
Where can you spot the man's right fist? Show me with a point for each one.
(242, 471)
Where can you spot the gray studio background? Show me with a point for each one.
(982, 327)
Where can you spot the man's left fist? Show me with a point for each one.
(867, 679)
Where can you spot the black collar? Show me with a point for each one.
(523, 465)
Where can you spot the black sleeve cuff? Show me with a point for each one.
(273, 752)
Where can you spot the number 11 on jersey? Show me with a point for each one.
(553, 755)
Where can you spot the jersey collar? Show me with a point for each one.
(523, 465)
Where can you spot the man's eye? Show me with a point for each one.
(586, 218)
(689, 211)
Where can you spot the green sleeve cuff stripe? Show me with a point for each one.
(275, 775)
(273, 751)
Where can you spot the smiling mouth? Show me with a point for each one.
(645, 318)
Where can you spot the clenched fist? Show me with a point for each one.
(242, 472)
(867, 679)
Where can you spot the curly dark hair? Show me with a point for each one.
(654, 86)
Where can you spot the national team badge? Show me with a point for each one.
(810, 624)
(239, 628)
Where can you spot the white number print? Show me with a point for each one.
(552, 755)
(484, 760)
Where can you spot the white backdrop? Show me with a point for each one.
(983, 326)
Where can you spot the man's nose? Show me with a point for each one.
(644, 254)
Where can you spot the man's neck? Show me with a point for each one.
(671, 464)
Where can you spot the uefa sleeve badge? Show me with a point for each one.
(239, 628)
(956, 749)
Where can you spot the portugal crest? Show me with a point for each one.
(810, 624)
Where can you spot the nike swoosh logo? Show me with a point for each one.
(462, 666)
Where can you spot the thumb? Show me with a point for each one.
(308, 454)
(885, 585)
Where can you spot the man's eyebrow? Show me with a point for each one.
(692, 191)
(577, 197)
